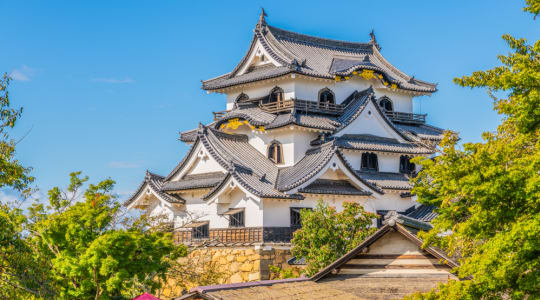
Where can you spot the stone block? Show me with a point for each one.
(254, 257)
(254, 276)
(235, 267)
(236, 278)
(246, 267)
(223, 260)
(241, 258)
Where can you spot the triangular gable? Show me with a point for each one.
(197, 160)
(334, 160)
(257, 56)
(371, 120)
(392, 250)
(151, 186)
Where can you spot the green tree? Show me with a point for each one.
(488, 193)
(12, 173)
(90, 249)
(327, 234)
(19, 271)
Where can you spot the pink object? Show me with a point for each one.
(145, 296)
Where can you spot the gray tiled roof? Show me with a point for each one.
(386, 180)
(314, 160)
(318, 57)
(422, 131)
(197, 181)
(374, 143)
(425, 213)
(248, 166)
(311, 164)
(154, 182)
(257, 117)
(328, 186)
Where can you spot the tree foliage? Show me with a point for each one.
(83, 248)
(12, 173)
(488, 194)
(327, 234)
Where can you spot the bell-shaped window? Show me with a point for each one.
(276, 95)
(242, 98)
(405, 165)
(386, 104)
(369, 162)
(275, 152)
(326, 97)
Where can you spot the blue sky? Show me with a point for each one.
(107, 85)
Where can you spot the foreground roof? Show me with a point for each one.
(372, 270)
(313, 56)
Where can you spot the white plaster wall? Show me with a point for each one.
(213, 212)
(205, 164)
(270, 212)
(306, 89)
(390, 201)
(277, 212)
(257, 90)
(388, 162)
(294, 142)
(370, 122)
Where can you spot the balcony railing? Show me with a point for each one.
(219, 114)
(302, 105)
(326, 108)
(238, 235)
(409, 118)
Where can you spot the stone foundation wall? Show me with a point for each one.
(242, 264)
(235, 264)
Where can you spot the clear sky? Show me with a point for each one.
(107, 85)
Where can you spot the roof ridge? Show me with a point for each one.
(305, 38)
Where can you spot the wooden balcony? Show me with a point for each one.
(302, 105)
(288, 105)
(407, 118)
(247, 235)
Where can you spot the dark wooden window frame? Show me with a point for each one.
(275, 152)
(295, 215)
(324, 101)
(405, 165)
(370, 162)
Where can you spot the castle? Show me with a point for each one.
(306, 118)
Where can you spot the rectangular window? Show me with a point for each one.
(201, 232)
(296, 221)
(237, 219)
